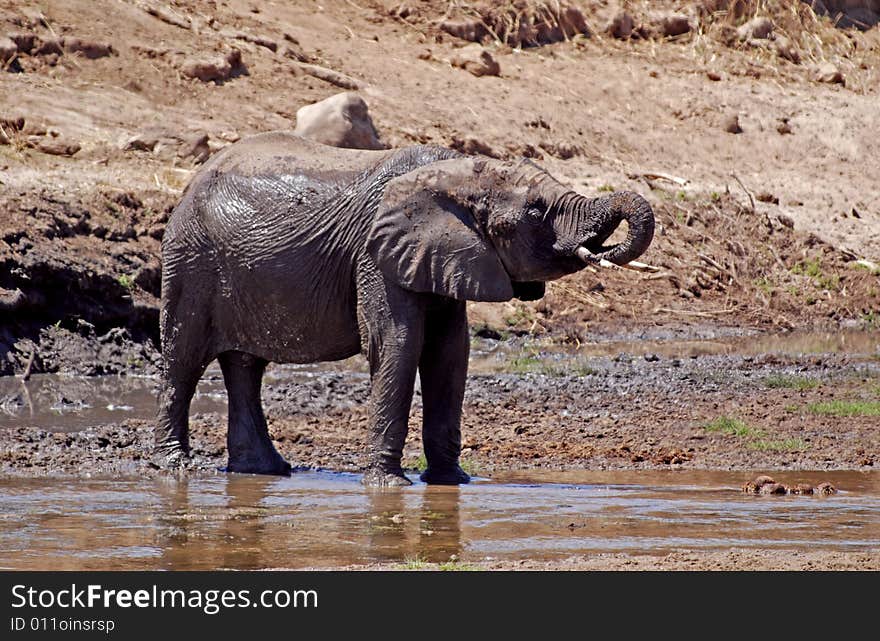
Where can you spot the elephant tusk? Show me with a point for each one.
(584, 254)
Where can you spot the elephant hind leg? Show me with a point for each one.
(249, 447)
(172, 424)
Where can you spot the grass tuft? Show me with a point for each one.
(783, 381)
(845, 408)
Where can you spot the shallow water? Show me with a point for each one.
(321, 519)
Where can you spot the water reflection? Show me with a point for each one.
(323, 519)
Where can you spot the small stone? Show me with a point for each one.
(786, 50)
(785, 220)
(829, 73)
(713, 76)
(195, 147)
(24, 41)
(801, 488)
(53, 146)
(651, 358)
(772, 488)
(472, 145)
(754, 487)
(140, 143)
(621, 25)
(756, 29)
(767, 197)
(215, 70)
(825, 489)
(51, 46)
(88, 48)
(730, 124)
(476, 60)
(784, 128)
(472, 30)
(674, 24)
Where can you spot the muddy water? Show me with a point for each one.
(316, 519)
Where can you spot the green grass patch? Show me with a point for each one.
(813, 269)
(414, 564)
(783, 381)
(765, 285)
(845, 408)
(420, 464)
(457, 566)
(733, 426)
(417, 564)
(126, 281)
(785, 445)
(606, 187)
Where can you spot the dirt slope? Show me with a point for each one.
(763, 228)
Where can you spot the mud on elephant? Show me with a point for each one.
(289, 251)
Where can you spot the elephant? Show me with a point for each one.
(289, 251)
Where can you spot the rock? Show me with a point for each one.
(8, 50)
(828, 72)
(53, 146)
(754, 487)
(144, 142)
(772, 488)
(825, 489)
(49, 47)
(785, 220)
(24, 41)
(784, 127)
(195, 147)
(756, 29)
(472, 30)
(342, 120)
(801, 488)
(88, 48)
(786, 50)
(767, 197)
(12, 123)
(621, 25)
(215, 70)
(714, 76)
(476, 60)
(673, 24)
(730, 124)
(472, 145)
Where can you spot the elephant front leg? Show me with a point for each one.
(443, 370)
(393, 372)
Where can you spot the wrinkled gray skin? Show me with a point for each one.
(289, 251)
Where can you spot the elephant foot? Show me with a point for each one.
(378, 477)
(445, 476)
(170, 456)
(272, 464)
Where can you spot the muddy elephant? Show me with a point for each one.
(289, 251)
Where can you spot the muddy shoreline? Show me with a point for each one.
(526, 407)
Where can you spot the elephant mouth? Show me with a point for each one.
(592, 257)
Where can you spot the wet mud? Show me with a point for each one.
(525, 407)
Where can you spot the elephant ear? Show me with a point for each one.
(426, 235)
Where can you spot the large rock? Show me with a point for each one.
(342, 120)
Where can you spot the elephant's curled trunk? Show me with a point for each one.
(606, 213)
